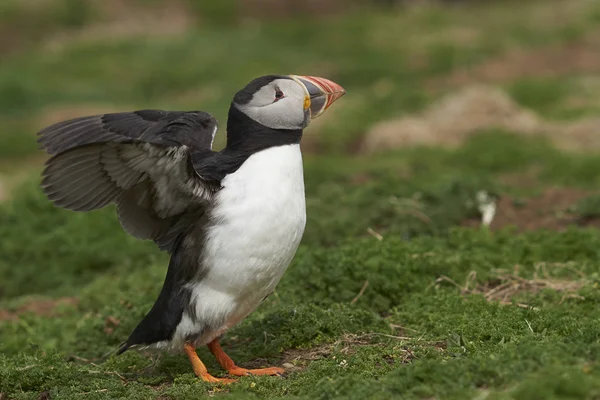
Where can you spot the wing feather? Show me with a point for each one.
(132, 209)
(139, 161)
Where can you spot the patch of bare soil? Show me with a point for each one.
(551, 210)
(580, 135)
(117, 19)
(477, 104)
(452, 120)
(267, 9)
(41, 22)
(46, 308)
(506, 287)
(297, 359)
(470, 111)
(125, 19)
(557, 60)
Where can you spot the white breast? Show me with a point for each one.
(259, 217)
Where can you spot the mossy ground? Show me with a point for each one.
(394, 292)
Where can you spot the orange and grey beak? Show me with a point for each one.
(320, 93)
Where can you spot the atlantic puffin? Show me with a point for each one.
(231, 220)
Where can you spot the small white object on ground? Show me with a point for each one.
(486, 206)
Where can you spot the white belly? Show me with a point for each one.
(259, 218)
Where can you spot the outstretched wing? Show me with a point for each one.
(141, 161)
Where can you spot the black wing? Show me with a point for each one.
(142, 161)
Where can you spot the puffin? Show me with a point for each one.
(230, 220)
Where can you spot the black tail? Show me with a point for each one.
(162, 320)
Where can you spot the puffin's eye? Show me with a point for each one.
(278, 94)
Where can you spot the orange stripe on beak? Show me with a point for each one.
(321, 93)
(332, 90)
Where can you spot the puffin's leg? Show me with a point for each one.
(228, 364)
(200, 368)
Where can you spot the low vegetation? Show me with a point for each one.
(398, 290)
(388, 295)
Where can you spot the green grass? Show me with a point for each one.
(202, 68)
(422, 326)
(540, 94)
(405, 336)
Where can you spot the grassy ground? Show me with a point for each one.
(396, 290)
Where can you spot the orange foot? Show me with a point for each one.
(228, 364)
(237, 371)
(209, 378)
(200, 368)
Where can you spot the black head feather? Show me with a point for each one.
(245, 95)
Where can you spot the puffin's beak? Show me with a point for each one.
(320, 93)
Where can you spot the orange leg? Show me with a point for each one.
(200, 368)
(228, 364)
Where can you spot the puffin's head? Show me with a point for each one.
(286, 101)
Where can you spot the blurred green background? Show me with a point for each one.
(398, 289)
